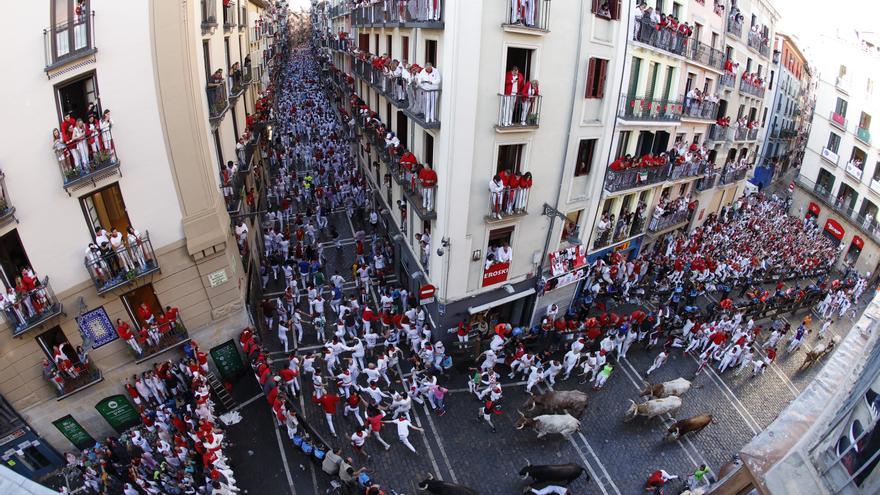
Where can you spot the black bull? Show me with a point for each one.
(555, 473)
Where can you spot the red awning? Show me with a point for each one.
(858, 242)
(834, 228)
(814, 209)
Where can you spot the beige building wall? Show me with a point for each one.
(150, 74)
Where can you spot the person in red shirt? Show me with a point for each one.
(125, 333)
(328, 402)
(513, 86)
(428, 180)
(145, 314)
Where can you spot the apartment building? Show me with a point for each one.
(491, 246)
(839, 179)
(793, 100)
(698, 89)
(126, 114)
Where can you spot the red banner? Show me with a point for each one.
(834, 228)
(568, 260)
(495, 273)
(814, 209)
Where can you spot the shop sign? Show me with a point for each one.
(834, 228)
(227, 359)
(495, 274)
(567, 260)
(118, 412)
(858, 242)
(74, 432)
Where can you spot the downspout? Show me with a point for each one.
(577, 63)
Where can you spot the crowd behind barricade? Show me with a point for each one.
(178, 447)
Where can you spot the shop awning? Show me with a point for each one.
(498, 302)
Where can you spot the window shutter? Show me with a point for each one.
(600, 90)
(591, 71)
(595, 7)
(615, 9)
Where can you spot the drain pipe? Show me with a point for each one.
(577, 63)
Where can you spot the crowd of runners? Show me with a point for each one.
(358, 344)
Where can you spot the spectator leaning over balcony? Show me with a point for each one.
(694, 98)
(106, 137)
(428, 180)
(61, 152)
(96, 263)
(513, 86)
(429, 82)
(530, 93)
(496, 190)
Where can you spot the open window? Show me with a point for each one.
(521, 58)
(105, 209)
(606, 9)
(66, 370)
(132, 301)
(510, 158)
(572, 225)
(145, 310)
(78, 97)
(499, 255)
(13, 258)
(586, 151)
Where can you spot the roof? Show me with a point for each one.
(12, 482)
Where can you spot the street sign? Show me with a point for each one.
(426, 294)
(118, 412)
(227, 359)
(74, 432)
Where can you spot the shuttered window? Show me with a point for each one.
(596, 73)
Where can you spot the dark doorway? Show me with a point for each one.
(521, 58)
(76, 96)
(12, 258)
(403, 129)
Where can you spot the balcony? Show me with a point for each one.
(7, 211)
(666, 221)
(718, 133)
(853, 169)
(686, 170)
(732, 176)
(518, 113)
(647, 32)
(218, 101)
(863, 135)
(112, 268)
(231, 187)
(400, 13)
(728, 81)
(229, 17)
(706, 182)
(69, 41)
(31, 307)
(209, 14)
(641, 108)
(78, 377)
(757, 43)
(751, 89)
(838, 120)
(236, 81)
(88, 159)
(734, 26)
(830, 156)
(619, 231)
(167, 335)
(619, 180)
(247, 75)
(424, 107)
(342, 45)
(508, 203)
(696, 109)
(753, 134)
(704, 54)
(534, 21)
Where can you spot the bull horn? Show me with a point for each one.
(528, 462)
(430, 475)
(520, 413)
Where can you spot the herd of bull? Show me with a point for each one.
(558, 413)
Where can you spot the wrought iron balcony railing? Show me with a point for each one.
(28, 307)
(111, 268)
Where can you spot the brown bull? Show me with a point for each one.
(683, 427)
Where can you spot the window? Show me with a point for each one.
(404, 50)
(841, 71)
(105, 209)
(142, 295)
(429, 149)
(572, 223)
(79, 97)
(364, 42)
(53, 337)
(510, 158)
(606, 9)
(206, 58)
(402, 129)
(586, 149)
(520, 58)
(869, 87)
(833, 142)
(389, 46)
(499, 238)
(70, 31)
(226, 52)
(596, 73)
(840, 107)
(623, 143)
(865, 121)
(218, 147)
(375, 49)
(12, 257)
(431, 52)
